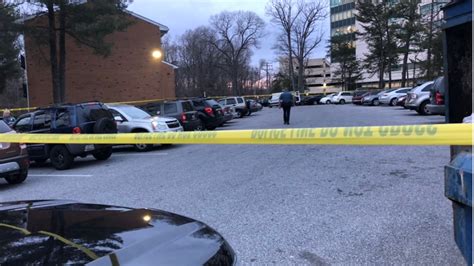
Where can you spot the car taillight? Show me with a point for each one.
(439, 99)
(76, 130)
(183, 117)
(208, 110)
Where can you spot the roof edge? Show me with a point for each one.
(163, 28)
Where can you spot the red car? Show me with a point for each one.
(357, 98)
(14, 161)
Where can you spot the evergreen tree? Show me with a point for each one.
(9, 46)
(88, 24)
(343, 57)
(409, 31)
(379, 33)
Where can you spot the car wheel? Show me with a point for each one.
(342, 102)
(423, 109)
(393, 102)
(142, 147)
(199, 127)
(60, 157)
(17, 178)
(103, 154)
(240, 113)
(375, 102)
(328, 102)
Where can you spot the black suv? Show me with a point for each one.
(84, 118)
(183, 110)
(209, 111)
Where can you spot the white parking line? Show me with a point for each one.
(34, 175)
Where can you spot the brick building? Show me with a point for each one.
(129, 73)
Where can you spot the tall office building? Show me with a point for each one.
(344, 22)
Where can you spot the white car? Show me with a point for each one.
(131, 119)
(275, 100)
(237, 104)
(327, 99)
(342, 97)
(391, 97)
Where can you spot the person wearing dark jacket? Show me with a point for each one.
(286, 101)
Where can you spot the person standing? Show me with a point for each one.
(286, 101)
(8, 118)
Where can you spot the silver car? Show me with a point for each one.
(419, 97)
(131, 119)
(391, 98)
(372, 97)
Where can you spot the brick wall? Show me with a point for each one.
(128, 73)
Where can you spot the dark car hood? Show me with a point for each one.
(64, 232)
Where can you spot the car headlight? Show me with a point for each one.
(159, 125)
(162, 126)
(154, 124)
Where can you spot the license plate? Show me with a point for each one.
(90, 147)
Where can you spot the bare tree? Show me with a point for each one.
(237, 33)
(170, 49)
(307, 33)
(284, 14)
(201, 68)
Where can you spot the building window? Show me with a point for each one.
(342, 15)
(340, 2)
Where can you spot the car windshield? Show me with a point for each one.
(235, 132)
(133, 112)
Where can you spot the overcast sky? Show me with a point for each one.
(181, 15)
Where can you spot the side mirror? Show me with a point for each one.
(118, 118)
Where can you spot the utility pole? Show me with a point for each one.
(268, 68)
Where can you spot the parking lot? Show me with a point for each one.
(284, 204)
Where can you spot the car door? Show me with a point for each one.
(347, 96)
(230, 102)
(123, 125)
(171, 110)
(41, 124)
(23, 125)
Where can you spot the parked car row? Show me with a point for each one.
(98, 118)
(426, 98)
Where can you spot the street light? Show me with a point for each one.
(157, 54)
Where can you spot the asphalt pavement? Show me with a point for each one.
(305, 205)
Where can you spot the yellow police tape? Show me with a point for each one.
(140, 101)
(445, 134)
